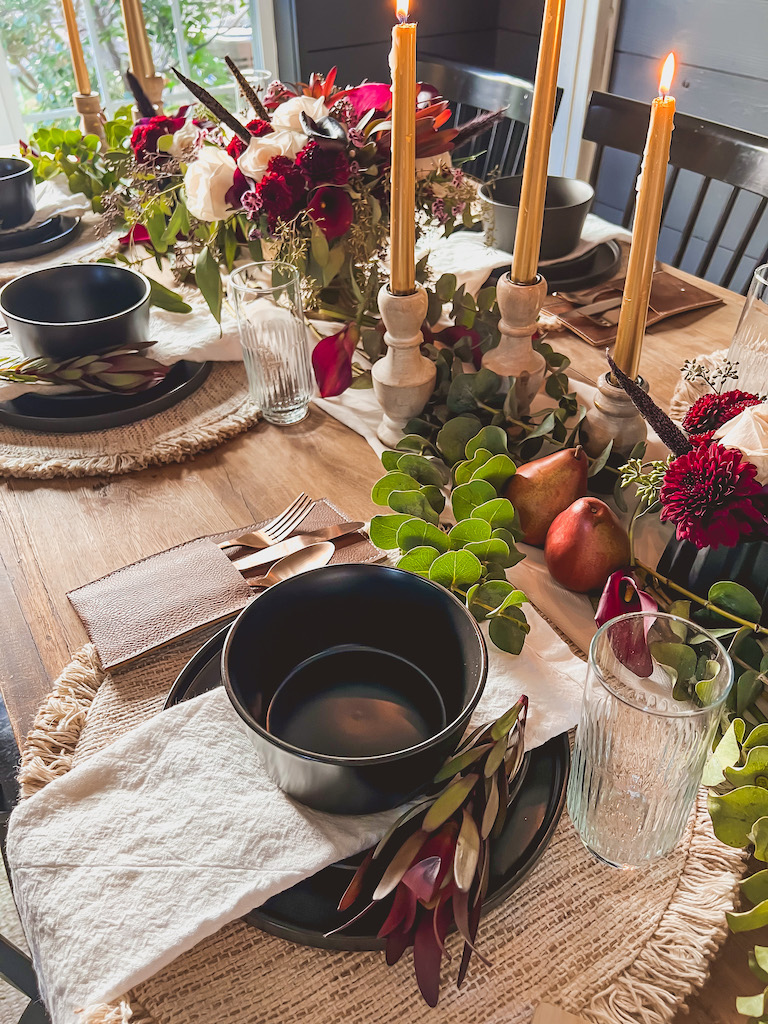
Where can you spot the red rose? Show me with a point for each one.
(331, 209)
(257, 128)
(149, 130)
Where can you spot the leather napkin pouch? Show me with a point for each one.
(670, 295)
(166, 596)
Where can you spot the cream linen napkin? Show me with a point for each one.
(53, 197)
(163, 837)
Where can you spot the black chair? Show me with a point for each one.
(730, 218)
(472, 91)
(15, 966)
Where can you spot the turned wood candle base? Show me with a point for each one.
(514, 356)
(403, 379)
(614, 417)
(88, 106)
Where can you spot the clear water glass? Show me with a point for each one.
(273, 335)
(749, 347)
(642, 741)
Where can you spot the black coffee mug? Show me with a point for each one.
(77, 309)
(17, 192)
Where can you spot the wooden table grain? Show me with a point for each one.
(56, 535)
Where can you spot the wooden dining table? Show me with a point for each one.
(58, 534)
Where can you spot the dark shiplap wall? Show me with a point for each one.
(517, 37)
(722, 76)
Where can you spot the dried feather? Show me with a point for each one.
(247, 89)
(143, 102)
(478, 125)
(670, 434)
(214, 106)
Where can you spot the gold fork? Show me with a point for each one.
(278, 529)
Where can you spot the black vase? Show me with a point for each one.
(697, 569)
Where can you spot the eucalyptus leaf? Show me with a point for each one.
(461, 395)
(725, 755)
(749, 686)
(434, 496)
(484, 384)
(754, 772)
(384, 529)
(393, 481)
(413, 503)
(733, 814)
(469, 531)
(755, 887)
(757, 738)
(488, 597)
(514, 555)
(543, 428)
(748, 920)
(750, 1006)
(498, 470)
(464, 472)
(499, 512)
(389, 460)
(599, 462)
(758, 963)
(493, 439)
(456, 569)
(493, 550)
(734, 598)
(452, 439)
(416, 532)
(420, 469)
(419, 560)
(680, 658)
(509, 630)
(466, 498)
(759, 836)
(707, 688)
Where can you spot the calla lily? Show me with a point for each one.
(331, 209)
(629, 640)
(138, 235)
(332, 361)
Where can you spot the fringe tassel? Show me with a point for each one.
(51, 743)
(121, 1012)
(643, 992)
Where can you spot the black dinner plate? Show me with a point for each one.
(585, 271)
(59, 231)
(305, 912)
(78, 413)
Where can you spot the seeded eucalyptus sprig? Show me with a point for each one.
(468, 553)
(436, 857)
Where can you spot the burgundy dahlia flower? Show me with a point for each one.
(331, 209)
(323, 166)
(149, 130)
(711, 411)
(712, 497)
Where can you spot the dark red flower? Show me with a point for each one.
(331, 209)
(711, 411)
(452, 335)
(712, 497)
(149, 130)
(628, 640)
(332, 360)
(323, 166)
(240, 185)
(257, 128)
(138, 235)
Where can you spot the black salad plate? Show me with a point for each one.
(591, 268)
(307, 911)
(50, 235)
(77, 413)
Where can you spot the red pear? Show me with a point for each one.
(542, 489)
(585, 544)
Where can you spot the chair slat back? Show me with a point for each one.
(471, 91)
(712, 151)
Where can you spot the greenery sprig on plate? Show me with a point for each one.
(468, 551)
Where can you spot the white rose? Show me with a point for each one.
(749, 433)
(207, 181)
(186, 142)
(253, 162)
(287, 114)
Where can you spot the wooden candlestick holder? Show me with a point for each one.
(152, 86)
(514, 356)
(88, 106)
(614, 417)
(403, 379)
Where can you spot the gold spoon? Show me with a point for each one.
(310, 557)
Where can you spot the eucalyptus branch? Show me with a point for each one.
(754, 626)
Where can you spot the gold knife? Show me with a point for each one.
(287, 547)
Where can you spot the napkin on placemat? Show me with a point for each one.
(670, 295)
(158, 599)
(173, 830)
(53, 197)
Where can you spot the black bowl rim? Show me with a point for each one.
(28, 166)
(550, 177)
(375, 759)
(9, 314)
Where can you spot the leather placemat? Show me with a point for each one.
(177, 592)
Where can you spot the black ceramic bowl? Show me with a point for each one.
(77, 309)
(566, 205)
(17, 192)
(366, 605)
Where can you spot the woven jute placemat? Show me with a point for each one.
(217, 411)
(616, 947)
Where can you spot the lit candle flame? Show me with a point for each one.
(667, 74)
(402, 10)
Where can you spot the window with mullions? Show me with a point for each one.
(193, 35)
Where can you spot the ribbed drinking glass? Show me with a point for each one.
(273, 335)
(749, 347)
(642, 740)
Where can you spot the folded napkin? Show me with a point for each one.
(172, 831)
(53, 197)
